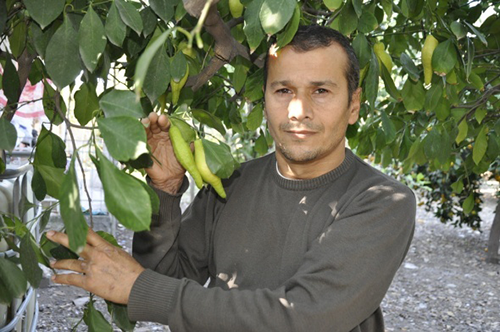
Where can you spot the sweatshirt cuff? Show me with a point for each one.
(152, 297)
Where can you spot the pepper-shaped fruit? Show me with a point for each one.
(184, 155)
(206, 173)
(236, 8)
(382, 56)
(177, 86)
(430, 45)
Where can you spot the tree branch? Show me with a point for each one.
(226, 48)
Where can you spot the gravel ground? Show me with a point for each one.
(443, 285)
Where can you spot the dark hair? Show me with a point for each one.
(311, 37)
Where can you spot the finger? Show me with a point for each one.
(163, 122)
(75, 265)
(69, 279)
(63, 239)
(95, 239)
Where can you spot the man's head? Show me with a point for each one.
(310, 37)
(309, 103)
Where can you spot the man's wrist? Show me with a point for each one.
(171, 186)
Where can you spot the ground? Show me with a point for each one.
(443, 285)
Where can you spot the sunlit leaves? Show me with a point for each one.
(164, 9)
(115, 29)
(86, 103)
(219, 159)
(348, 20)
(371, 81)
(208, 119)
(125, 137)
(463, 129)
(253, 29)
(130, 15)
(91, 39)
(158, 75)
(275, 14)
(121, 103)
(480, 145)
(61, 59)
(413, 95)
(444, 58)
(131, 205)
(44, 12)
(333, 4)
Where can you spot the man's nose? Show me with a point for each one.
(298, 109)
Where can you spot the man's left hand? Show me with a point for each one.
(105, 270)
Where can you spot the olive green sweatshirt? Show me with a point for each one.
(278, 254)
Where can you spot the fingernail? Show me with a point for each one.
(50, 233)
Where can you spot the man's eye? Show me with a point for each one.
(283, 91)
(321, 90)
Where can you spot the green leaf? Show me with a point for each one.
(10, 82)
(371, 81)
(115, 29)
(52, 177)
(8, 135)
(119, 316)
(253, 86)
(458, 29)
(131, 205)
(125, 137)
(150, 21)
(480, 145)
(91, 39)
(362, 49)
(71, 210)
(219, 158)
(358, 7)
(387, 6)
(12, 278)
(432, 144)
(286, 36)
(130, 15)
(55, 250)
(158, 75)
(86, 103)
(155, 201)
(17, 39)
(433, 96)
(443, 109)
(260, 145)
(25, 205)
(29, 261)
(3, 15)
(51, 100)
(477, 33)
(275, 14)
(178, 66)
(239, 77)
(2, 166)
(348, 20)
(367, 22)
(480, 114)
(186, 130)
(388, 127)
(444, 58)
(390, 87)
(50, 150)
(38, 185)
(413, 95)
(60, 60)
(145, 59)
(412, 8)
(468, 204)
(410, 67)
(95, 319)
(333, 4)
(108, 237)
(255, 117)
(44, 220)
(209, 119)
(44, 12)
(457, 186)
(164, 9)
(253, 29)
(121, 103)
(463, 128)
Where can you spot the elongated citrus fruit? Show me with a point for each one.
(184, 155)
(383, 57)
(430, 45)
(206, 174)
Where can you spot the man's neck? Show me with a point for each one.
(307, 170)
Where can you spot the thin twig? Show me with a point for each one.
(75, 150)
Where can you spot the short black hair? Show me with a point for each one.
(311, 37)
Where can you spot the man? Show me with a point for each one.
(308, 239)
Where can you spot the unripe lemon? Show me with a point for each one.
(236, 8)
(430, 45)
(383, 56)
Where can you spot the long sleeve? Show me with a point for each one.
(340, 281)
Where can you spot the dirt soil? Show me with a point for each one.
(443, 285)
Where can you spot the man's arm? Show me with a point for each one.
(341, 282)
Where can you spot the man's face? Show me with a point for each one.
(307, 104)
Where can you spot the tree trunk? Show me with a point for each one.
(494, 240)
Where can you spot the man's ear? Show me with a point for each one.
(355, 106)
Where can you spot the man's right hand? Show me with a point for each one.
(166, 173)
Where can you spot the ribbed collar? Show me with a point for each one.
(314, 183)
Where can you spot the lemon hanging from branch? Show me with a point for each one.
(179, 75)
(206, 173)
(430, 45)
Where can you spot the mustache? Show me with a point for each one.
(298, 127)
